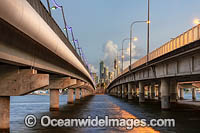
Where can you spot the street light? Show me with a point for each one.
(196, 21)
(78, 46)
(63, 15)
(134, 39)
(70, 28)
(131, 32)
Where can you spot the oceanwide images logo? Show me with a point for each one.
(96, 122)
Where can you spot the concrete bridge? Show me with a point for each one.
(35, 54)
(171, 67)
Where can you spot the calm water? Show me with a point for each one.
(187, 120)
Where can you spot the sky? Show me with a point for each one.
(101, 25)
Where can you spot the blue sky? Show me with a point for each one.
(99, 22)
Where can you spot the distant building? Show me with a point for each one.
(94, 75)
(110, 76)
(101, 76)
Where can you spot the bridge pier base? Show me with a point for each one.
(4, 113)
(119, 91)
(130, 96)
(152, 91)
(54, 99)
(116, 91)
(141, 93)
(159, 92)
(173, 92)
(194, 94)
(123, 91)
(134, 91)
(149, 92)
(77, 92)
(82, 93)
(70, 96)
(165, 94)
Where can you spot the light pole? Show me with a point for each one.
(148, 31)
(70, 28)
(78, 46)
(63, 15)
(131, 32)
(135, 39)
(49, 7)
(196, 21)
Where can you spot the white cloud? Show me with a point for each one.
(93, 69)
(110, 53)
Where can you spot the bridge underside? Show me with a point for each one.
(166, 75)
(18, 49)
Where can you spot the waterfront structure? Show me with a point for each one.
(169, 68)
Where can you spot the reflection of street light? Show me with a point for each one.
(196, 21)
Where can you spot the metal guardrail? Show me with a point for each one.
(186, 38)
(42, 11)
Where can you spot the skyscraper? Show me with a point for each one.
(102, 65)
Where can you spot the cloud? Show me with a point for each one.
(93, 69)
(137, 52)
(110, 52)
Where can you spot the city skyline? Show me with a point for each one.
(107, 30)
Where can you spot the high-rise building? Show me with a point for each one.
(101, 76)
(95, 77)
(105, 73)
(110, 76)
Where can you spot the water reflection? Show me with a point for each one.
(187, 119)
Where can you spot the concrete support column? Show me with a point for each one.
(54, 99)
(85, 93)
(78, 96)
(119, 91)
(181, 93)
(165, 94)
(134, 91)
(149, 92)
(152, 91)
(4, 113)
(116, 91)
(194, 94)
(130, 96)
(173, 92)
(82, 93)
(70, 96)
(141, 93)
(123, 91)
(177, 91)
(159, 92)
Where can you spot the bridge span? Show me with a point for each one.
(171, 67)
(35, 54)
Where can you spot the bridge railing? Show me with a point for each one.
(186, 38)
(42, 11)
